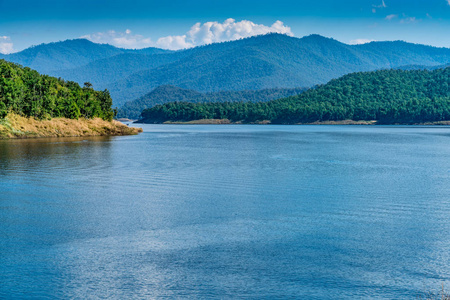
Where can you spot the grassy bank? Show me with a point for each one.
(15, 126)
(267, 122)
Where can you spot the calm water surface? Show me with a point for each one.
(307, 212)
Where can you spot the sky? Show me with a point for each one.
(178, 24)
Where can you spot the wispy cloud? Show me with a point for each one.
(448, 2)
(199, 34)
(360, 41)
(391, 17)
(6, 46)
(409, 20)
(383, 5)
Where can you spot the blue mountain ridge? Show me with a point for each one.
(261, 62)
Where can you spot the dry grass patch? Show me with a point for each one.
(15, 126)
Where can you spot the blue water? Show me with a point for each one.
(307, 212)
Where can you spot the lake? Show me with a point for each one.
(229, 211)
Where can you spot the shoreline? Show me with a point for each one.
(267, 122)
(17, 127)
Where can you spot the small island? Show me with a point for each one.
(35, 105)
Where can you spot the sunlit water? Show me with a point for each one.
(227, 212)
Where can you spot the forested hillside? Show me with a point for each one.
(261, 62)
(387, 96)
(168, 93)
(25, 92)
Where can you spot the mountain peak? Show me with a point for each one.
(318, 38)
(315, 36)
(271, 36)
(46, 58)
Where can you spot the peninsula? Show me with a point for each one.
(35, 105)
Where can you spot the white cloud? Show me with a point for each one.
(390, 17)
(120, 39)
(199, 34)
(174, 42)
(448, 2)
(360, 41)
(6, 46)
(214, 32)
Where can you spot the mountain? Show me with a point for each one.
(274, 61)
(54, 57)
(168, 93)
(386, 96)
(104, 71)
(261, 62)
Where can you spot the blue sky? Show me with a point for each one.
(139, 23)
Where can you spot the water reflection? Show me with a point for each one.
(27, 154)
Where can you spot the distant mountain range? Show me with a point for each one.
(262, 62)
(168, 93)
(54, 57)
